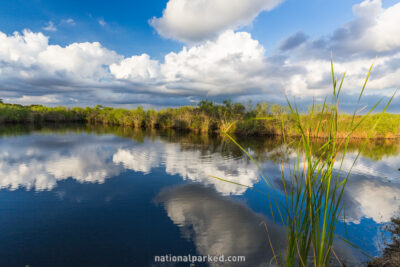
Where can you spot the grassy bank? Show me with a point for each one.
(207, 117)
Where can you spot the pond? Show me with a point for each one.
(80, 195)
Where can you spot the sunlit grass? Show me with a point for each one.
(207, 117)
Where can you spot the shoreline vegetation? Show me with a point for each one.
(262, 119)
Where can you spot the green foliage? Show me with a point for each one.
(209, 117)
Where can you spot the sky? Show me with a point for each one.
(164, 53)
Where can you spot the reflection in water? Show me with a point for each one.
(219, 226)
(40, 161)
(190, 164)
(371, 198)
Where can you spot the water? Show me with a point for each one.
(94, 196)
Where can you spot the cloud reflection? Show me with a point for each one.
(219, 226)
(39, 161)
(191, 164)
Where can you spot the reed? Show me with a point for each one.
(313, 183)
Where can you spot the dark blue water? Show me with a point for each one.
(118, 198)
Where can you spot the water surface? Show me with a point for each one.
(95, 196)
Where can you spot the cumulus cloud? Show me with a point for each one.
(30, 66)
(199, 20)
(233, 65)
(32, 57)
(136, 68)
(373, 32)
(301, 65)
(374, 29)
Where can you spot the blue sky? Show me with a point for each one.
(175, 52)
(128, 31)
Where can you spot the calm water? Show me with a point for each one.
(76, 196)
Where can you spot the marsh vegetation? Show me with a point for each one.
(208, 118)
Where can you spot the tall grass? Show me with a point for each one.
(313, 183)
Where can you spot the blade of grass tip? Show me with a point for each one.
(361, 109)
(333, 76)
(341, 84)
(364, 117)
(366, 80)
(312, 113)
(321, 117)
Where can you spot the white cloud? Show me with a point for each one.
(197, 20)
(29, 57)
(50, 27)
(233, 65)
(79, 60)
(69, 21)
(136, 68)
(375, 28)
(102, 22)
(27, 100)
